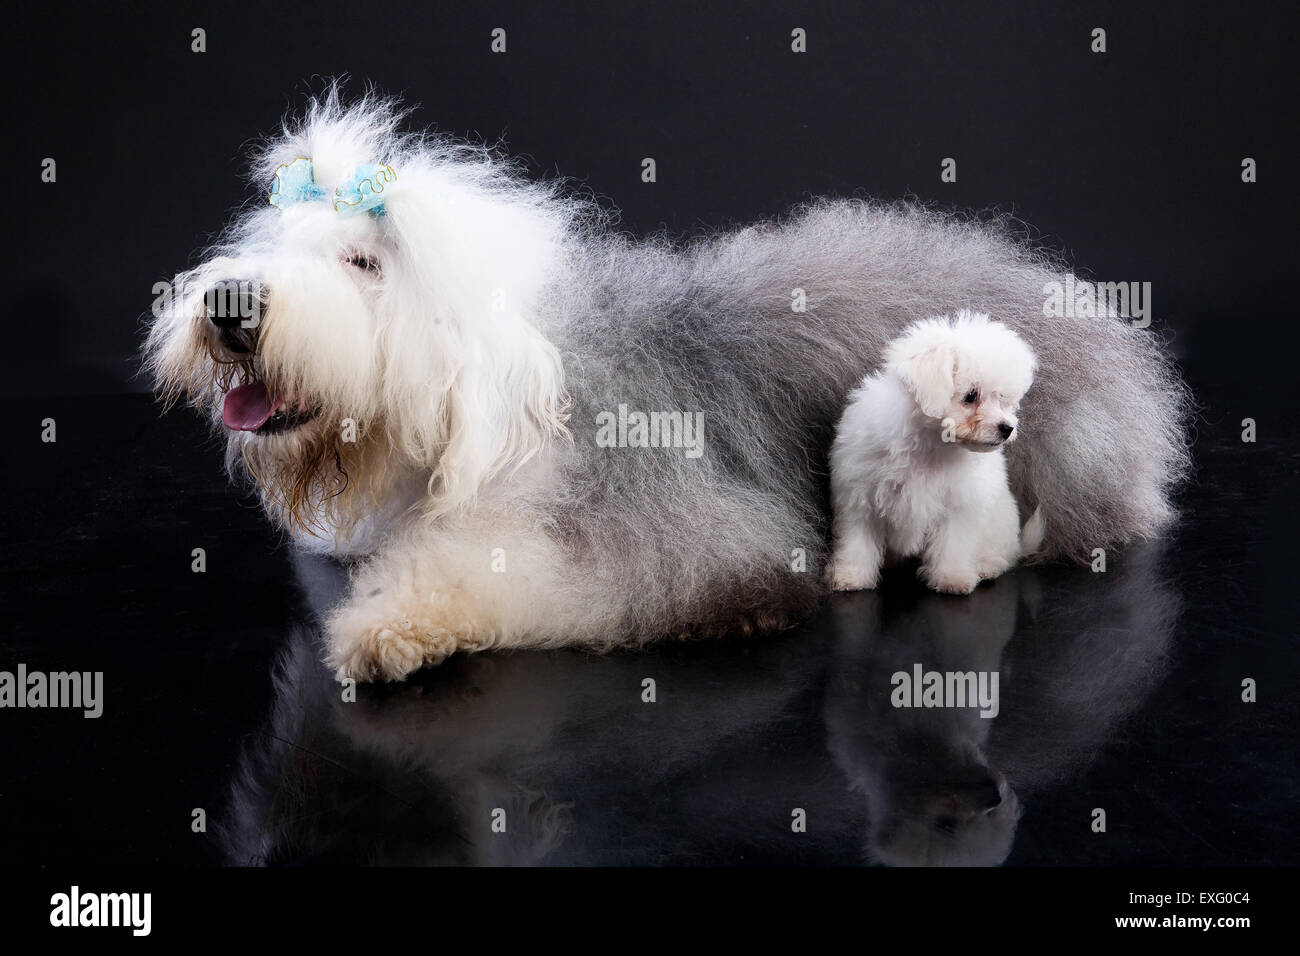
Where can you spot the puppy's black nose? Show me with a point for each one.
(989, 797)
(982, 794)
(234, 307)
(1005, 429)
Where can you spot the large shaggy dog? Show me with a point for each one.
(538, 431)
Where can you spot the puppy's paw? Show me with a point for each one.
(851, 576)
(950, 580)
(990, 568)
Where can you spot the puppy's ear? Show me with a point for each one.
(927, 365)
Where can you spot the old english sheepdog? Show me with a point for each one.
(529, 430)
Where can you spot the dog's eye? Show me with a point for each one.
(970, 397)
(359, 260)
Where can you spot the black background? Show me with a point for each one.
(1128, 162)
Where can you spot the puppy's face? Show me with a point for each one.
(967, 377)
(968, 818)
(980, 416)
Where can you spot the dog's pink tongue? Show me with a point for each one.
(247, 407)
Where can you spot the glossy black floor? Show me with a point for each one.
(1120, 691)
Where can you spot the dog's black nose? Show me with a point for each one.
(234, 307)
(1005, 429)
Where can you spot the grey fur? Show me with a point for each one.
(710, 327)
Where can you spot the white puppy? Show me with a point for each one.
(917, 466)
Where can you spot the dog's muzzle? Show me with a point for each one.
(234, 309)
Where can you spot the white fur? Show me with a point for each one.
(906, 481)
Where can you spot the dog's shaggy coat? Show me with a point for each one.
(473, 335)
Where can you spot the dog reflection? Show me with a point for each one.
(529, 758)
(562, 746)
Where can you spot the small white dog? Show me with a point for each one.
(917, 466)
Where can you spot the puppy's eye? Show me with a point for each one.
(366, 263)
(970, 397)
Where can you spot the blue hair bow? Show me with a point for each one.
(295, 182)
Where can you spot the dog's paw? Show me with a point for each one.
(398, 629)
(950, 581)
(388, 651)
(847, 576)
(389, 636)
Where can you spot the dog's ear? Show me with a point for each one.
(480, 386)
(927, 365)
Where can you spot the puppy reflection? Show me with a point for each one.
(932, 796)
(943, 785)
